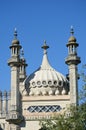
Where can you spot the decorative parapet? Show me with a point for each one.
(43, 115)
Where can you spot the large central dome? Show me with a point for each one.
(46, 80)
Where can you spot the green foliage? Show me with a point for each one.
(73, 118)
(82, 94)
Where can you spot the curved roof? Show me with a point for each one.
(46, 80)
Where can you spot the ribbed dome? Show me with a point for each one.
(46, 80)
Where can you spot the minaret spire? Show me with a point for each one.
(45, 47)
(23, 65)
(45, 63)
(15, 33)
(71, 30)
(72, 61)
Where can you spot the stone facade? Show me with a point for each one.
(43, 94)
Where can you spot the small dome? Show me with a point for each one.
(15, 42)
(72, 39)
(45, 80)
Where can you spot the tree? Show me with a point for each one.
(72, 119)
(82, 94)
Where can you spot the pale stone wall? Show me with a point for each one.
(4, 125)
(31, 125)
(61, 100)
(32, 119)
(73, 84)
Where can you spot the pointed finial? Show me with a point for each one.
(15, 33)
(71, 30)
(45, 42)
(45, 47)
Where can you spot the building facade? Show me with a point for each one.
(43, 94)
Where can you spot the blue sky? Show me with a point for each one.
(36, 21)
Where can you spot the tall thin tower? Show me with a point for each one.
(14, 116)
(72, 61)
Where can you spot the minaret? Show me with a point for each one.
(72, 61)
(23, 65)
(22, 72)
(14, 63)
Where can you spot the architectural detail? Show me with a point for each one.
(14, 62)
(72, 61)
(43, 94)
(46, 80)
(47, 108)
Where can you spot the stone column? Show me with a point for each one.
(73, 76)
(9, 100)
(5, 102)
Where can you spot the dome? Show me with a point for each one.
(72, 39)
(15, 42)
(46, 80)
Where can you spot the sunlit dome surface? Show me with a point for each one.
(46, 80)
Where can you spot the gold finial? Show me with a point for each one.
(71, 30)
(15, 33)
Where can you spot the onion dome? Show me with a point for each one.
(46, 80)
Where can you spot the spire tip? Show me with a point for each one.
(71, 30)
(45, 46)
(15, 33)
